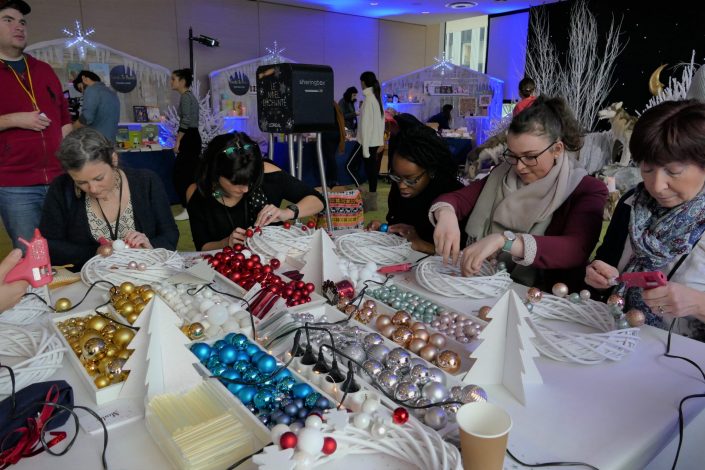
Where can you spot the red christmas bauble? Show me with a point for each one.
(275, 263)
(400, 416)
(311, 224)
(288, 292)
(329, 445)
(310, 287)
(238, 247)
(227, 249)
(266, 269)
(258, 229)
(300, 284)
(287, 225)
(249, 264)
(255, 258)
(239, 257)
(215, 263)
(304, 228)
(288, 440)
(235, 276)
(249, 233)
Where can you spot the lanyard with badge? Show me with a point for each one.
(29, 91)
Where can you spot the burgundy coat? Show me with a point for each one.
(563, 251)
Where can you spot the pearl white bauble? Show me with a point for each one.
(310, 440)
(119, 245)
(314, 421)
(218, 314)
(361, 420)
(277, 431)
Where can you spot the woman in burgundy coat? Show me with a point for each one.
(538, 211)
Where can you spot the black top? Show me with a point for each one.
(617, 232)
(349, 113)
(209, 218)
(442, 119)
(414, 211)
(65, 222)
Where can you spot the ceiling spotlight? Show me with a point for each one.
(425, 12)
(373, 4)
(460, 5)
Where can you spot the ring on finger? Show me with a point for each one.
(660, 310)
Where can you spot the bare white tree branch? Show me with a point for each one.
(210, 122)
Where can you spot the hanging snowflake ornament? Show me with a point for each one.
(274, 54)
(78, 38)
(443, 63)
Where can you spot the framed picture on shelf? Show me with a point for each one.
(153, 114)
(140, 113)
(485, 100)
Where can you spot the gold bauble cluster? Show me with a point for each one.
(129, 300)
(101, 346)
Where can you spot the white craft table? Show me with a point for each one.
(615, 415)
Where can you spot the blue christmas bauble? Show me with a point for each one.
(383, 227)
(291, 409)
(252, 349)
(256, 356)
(301, 390)
(227, 354)
(266, 364)
(251, 375)
(242, 356)
(239, 340)
(264, 399)
(286, 384)
(246, 394)
(283, 419)
(281, 374)
(299, 402)
(265, 418)
(201, 350)
(323, 403)
(219, 344)
(241, 366)
(311, 399)
(218, 369)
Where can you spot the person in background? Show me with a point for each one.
(527, 87)
(370, 135)
(422, 170)
(347, 107)
(188, 139)
(101, 105)
(332, 144)
(444, 118)
(96, 200)
(34, 117)
(236, 190)
(659, 225)
(538, 211)
(11, 292)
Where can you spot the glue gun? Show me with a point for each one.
(395, 268)
(645, 280)
(35, 267)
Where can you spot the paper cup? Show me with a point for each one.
(484, 429)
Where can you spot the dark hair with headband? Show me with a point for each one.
(551, 117)
(82, 146)
(234, 157)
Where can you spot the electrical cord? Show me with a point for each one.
(28, 294)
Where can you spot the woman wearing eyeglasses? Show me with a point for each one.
(537, 211)
(237, 189)
(422, 170)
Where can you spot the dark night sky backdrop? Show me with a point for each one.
(665, 32)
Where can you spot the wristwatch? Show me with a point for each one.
(509, 238)
(295, 209)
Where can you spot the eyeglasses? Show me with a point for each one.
(406, 181)
(528, 160)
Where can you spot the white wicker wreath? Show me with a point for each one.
(276, 240)
(446, 280)
(378, 247)
(29, 309)
(161, 265)
(411, 443)
(582, 348)
(39, 354)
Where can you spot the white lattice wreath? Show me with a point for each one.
(446, 280)
(41, 354)
(29, 309)
(160, 264)
(273, 241)
(582, 348)
(378, 247)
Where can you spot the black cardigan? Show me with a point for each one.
(65, 222)
(212, 221)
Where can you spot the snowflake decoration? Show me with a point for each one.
(443, 63)
(274, 458)
(274, 54)
(337, 419)
(78, 38)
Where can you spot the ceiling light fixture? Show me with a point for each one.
(373, 4)
(460, 5)
(425, 12)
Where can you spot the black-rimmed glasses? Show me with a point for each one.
(528, 160)
(406, 181)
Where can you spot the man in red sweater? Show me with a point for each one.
(34, 117)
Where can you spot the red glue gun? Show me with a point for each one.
(647, 280)
(35, 267)
(395, 268)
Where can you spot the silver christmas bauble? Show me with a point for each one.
(406, 391)
(455, 393)
(372, 339)
(373, 368)
(420, 412)
(355, 351)
(584, 294)
(416, 361)
(398, 358)
(434, 391)
(378, 352)
(387, 380)
(437, 375)
(451, 410)
(378, 429)
(419, 375)
(473, 393)
(436, 418)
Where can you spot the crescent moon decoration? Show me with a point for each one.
(655, 85)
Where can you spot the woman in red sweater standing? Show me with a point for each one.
(538, 211)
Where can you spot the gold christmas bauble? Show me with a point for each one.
(127, 288)
(62, 305)
(448, 361)
(114, 290)
(93, 347)
(111, 350)
(109, 329)
(132, 318)
(534, 295)
(402, 335)
(101, 381)
(127, 309)
(91, 367)
(97, 323)
(147, 295)
(124, 354)
(483, 312)
(196, 330)
(635, 318)
(401, 318)
(122, 337)
(139, 306)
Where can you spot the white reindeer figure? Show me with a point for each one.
(622, 124)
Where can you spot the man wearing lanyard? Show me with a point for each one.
(34, 117)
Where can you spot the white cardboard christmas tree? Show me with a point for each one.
(137, 362)
(506, 355)
(321, 261)
(169, 360)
